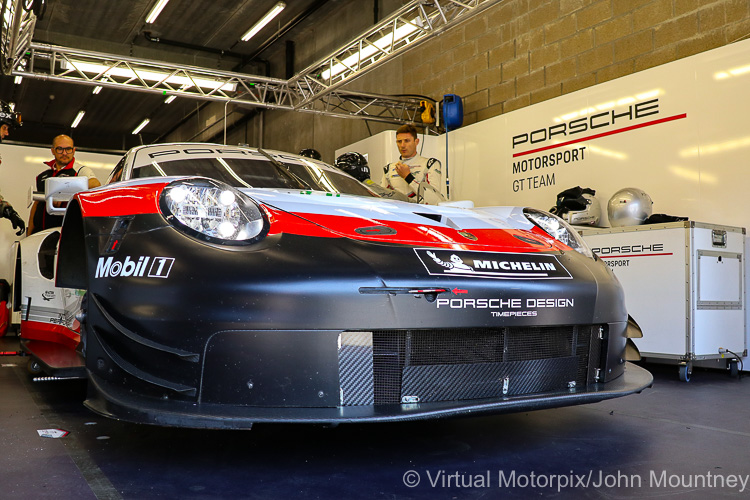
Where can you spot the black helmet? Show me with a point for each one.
(8, 116)
(354, 164)
(578, 206)
(310, 153)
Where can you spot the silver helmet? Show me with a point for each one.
(629, 207)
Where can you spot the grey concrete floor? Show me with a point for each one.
(675, 440)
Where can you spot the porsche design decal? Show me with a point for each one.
(491, 265)
(110, 268)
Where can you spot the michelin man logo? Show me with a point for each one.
(455, 264)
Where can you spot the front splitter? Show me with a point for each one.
(121, 404)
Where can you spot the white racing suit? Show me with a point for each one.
(391, 194)
(421, 170)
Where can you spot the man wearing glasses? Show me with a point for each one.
(63, 165)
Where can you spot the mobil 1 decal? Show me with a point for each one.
(136, 267)
(539, 152)
(464, 263)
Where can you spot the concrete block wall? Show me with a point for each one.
(521, 52)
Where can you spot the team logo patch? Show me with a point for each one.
(440, 262)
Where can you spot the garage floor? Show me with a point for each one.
(679, 440)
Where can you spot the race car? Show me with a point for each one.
(49, 329)
(226, 286)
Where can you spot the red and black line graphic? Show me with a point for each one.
(628, 255)
(603, 134)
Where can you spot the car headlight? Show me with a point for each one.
(558, 229)
(213, 211)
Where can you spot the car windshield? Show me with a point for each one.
(256, 173)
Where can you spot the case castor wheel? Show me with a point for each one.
(685, 372)
(734, 370)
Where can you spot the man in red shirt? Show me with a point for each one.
(64, 151)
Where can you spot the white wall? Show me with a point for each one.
(19, 166)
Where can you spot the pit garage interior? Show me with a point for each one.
(519, 100)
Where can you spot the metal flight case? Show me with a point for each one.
(684, 285)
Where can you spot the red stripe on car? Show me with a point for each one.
(331, 226)
(133, 200)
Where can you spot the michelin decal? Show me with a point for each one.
(491, 265)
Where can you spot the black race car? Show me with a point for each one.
(227, 286)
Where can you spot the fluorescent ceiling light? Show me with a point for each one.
(151, 17)
(170, 99)
(97, 89)
(78, 119)
(151, 76)
(141, 126)
(17, 80)
(384, 44)
(275, 10)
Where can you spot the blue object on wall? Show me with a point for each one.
(453, 111)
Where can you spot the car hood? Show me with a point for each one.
(389, 221)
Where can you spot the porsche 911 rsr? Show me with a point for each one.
(227, 286)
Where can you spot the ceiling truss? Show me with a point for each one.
(317, 89)
(414, 23)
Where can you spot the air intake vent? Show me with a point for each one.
(394, 366)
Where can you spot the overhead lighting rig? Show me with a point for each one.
(316, 89)
(408, 27)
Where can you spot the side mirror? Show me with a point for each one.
(60, 190)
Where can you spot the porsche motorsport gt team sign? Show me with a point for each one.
(536, 151)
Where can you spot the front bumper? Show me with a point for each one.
(119, 403)
(224, 338)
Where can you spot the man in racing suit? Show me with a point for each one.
(8, 120)
(413, 175)
(62, 166)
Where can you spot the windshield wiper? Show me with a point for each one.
(285, 170)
